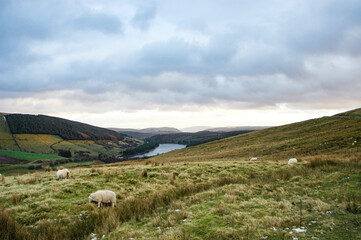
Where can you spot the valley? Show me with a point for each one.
(208, 191)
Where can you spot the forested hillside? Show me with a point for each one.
(191, 139)
(66, 129)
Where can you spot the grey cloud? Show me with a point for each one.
(143, 17)
(320, 28)
(105, 23)
(245, 54)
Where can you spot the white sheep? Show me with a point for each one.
(292, 161)
(253, 159)
(103, 196)
(62, 174)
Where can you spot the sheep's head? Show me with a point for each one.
(91, 197)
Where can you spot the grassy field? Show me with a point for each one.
(28, 156)
(39, 143)
(210, 191)
(208, 200)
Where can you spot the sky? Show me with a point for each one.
(154, 63)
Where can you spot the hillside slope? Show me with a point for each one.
(331, 136)
(191, 139)
(352, 113)
(68, 130)
(57, 136)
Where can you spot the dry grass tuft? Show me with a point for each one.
(10, 229)
(318, 162)
(172, 178)
(30, 179)
(143, 173)
(47, 169)
(353, 207)
(15, 198)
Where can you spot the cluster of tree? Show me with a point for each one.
(146, 147)
(68, 130)
(192, 139)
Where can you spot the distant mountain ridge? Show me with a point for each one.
(192, 139)
(146, 132)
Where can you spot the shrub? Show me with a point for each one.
(353, 207)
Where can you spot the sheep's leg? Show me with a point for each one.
(113, 204)
(99, 204)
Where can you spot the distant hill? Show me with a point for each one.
(237, 128)
(194, 129)
(51, 135)
(66, 129)
(191, 139)
(146, 132)
(326, 137)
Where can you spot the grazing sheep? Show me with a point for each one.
(253, 159)
(62, 174)
(104, 196)
(292, 161)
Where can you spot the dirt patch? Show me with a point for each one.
(9, 160)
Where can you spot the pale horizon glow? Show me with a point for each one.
(180, 120)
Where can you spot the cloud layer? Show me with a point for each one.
(188, 55)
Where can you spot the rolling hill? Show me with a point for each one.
(326, 136)
(56, 136)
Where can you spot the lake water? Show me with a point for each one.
(162, 148)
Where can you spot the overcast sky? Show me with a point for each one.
(180, 63)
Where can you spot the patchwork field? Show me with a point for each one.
(102, 143)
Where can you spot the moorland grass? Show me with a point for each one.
(209, 200)
(337, 138)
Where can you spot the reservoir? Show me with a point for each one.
(162, 148)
